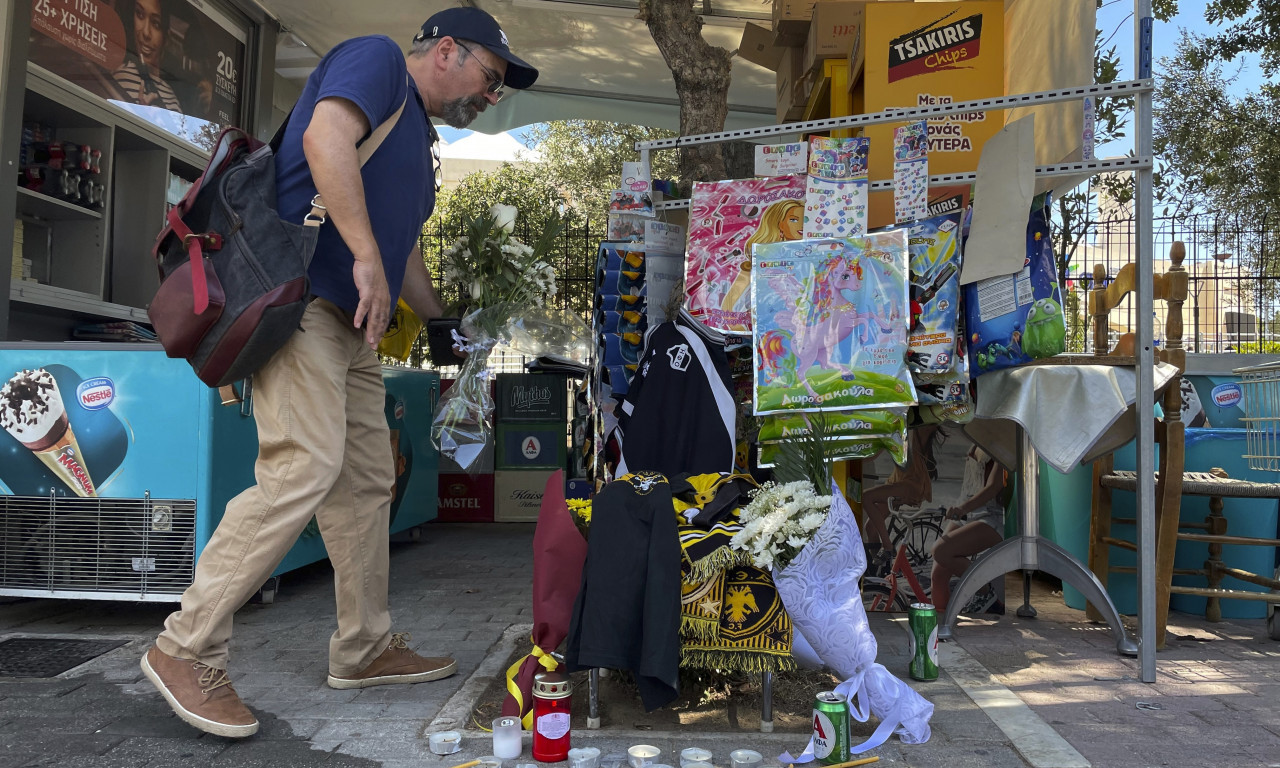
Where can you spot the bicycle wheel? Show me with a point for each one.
(877, 597)
(920, 538)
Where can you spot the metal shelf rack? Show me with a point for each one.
(1141, 164)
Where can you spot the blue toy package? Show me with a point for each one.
(1014, 319)
(619, 257)
(935, 293)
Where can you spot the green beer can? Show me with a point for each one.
(922, 618)
(830, 729)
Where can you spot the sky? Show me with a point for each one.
(1115, 20)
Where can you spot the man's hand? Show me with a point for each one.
(374, 310)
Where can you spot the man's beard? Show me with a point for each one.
(459, 113)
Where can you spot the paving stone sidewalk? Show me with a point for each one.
(462, 586)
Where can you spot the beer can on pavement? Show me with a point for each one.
(923, 621)
(830, 729)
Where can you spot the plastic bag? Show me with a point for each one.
(463, 420)
(402, 331)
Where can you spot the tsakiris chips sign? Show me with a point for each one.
(926, 54)
(726, 219)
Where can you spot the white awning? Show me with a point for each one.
(595, 59)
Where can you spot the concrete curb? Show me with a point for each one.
(455, 715)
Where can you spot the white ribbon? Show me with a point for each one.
(874, 682)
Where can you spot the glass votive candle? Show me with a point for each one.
(506, 738)
(643, 755)
(694, 755)
(745, 758)
(445, 742)
(584, 757)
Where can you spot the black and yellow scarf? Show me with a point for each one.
(752, 628)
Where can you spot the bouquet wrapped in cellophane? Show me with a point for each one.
(508, 284)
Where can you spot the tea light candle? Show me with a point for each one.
(506, 738)
(643, 755)
(584, 757)
(445, 743)
(694, 755)
(745, 758)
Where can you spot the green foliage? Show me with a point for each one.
(804, 457)
(1258, 347)
(583, 158)
(1221, 152)
(529, 189)
(1075, 209)
(1251, 26)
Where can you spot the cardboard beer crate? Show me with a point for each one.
(531, 397)
(531, 445)
(464, 498)
(517, 494)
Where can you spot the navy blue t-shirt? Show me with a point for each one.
(399, 189)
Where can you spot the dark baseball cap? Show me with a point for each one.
(478, 26)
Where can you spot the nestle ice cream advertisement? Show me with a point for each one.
(99, 424)
(44, 452)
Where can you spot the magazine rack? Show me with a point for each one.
(1141, 165)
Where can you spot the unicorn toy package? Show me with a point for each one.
(727, 218)
(830, 325)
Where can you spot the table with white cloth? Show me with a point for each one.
(1066, 414)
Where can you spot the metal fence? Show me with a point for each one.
(574, 260)
(1232, 261)
(1233, 267)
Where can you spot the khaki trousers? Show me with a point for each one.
(324, 450)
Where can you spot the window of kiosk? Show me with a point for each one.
(179, 64)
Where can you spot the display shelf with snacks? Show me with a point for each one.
(93, 188)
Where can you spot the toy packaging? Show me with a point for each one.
(836, 188)
(830, 325)
(848, 449)
(727, 218)
(911, 171)
(782, 159)
(1014, 319)
(626, 226)
(629, 201)
(864, 423)
(935, 293)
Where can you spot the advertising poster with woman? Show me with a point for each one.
(173, 63)
(726, 219)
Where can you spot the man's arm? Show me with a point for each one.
(418, 291)
(329, 144)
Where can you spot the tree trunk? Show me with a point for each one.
(701, 73)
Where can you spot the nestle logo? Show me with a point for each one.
(1226, 395)
(96, 394)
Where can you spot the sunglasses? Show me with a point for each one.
(495, 80)
(435, 164)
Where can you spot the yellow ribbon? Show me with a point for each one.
(547, 661)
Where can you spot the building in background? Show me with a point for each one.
(480, 152)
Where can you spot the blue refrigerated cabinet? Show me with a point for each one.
(118, 499)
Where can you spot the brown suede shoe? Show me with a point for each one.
(396, 665)
(200, 694)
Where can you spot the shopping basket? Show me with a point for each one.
(1260, 387)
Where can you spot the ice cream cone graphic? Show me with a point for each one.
(31, 410)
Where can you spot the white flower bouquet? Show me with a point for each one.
(490, 266)
(505, 285)
(779, 521)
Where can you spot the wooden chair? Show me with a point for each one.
(1172, 480)
(1171, 287)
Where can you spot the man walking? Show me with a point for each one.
(324, 447)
